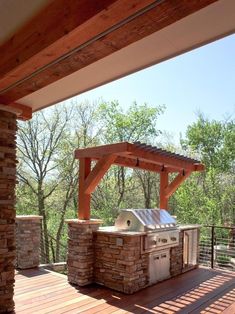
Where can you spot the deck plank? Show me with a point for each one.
(198, 291)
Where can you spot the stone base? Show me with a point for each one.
(28, 235)
(176, 257)
(80, 260)
(119, 263)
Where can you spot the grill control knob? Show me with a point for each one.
(164, 240)
(173, 238)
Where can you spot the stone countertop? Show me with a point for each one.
(115, 231)
(188, 227)
(28, 217)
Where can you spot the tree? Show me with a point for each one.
(38, 144)
(138, 123)
(211, 193)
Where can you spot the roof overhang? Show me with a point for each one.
(117, 47)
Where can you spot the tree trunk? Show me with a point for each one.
(45, 250)
(58, 236)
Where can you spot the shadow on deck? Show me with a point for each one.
(198, 291)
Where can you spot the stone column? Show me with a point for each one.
(28, 235)
(80, 258)
(8, 127)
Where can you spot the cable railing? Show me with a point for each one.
(217, 247)
(52, 251)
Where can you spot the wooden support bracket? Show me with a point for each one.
(166, 189)
(172, 187)
(98, 172)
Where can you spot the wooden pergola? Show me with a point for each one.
(138, 156)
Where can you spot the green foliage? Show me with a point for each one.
(138, 123)
(223, 260)
(209, 198)
(214, 142)
(48, 173)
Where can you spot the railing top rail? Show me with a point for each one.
(221, 227)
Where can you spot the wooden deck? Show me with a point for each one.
(198, 291)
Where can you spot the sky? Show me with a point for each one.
(201, 80)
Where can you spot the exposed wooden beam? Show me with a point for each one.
(52, 33)
(26, 112)
(84, 200)
(102, 150)
(199, 167)
(23, 112)
(163, 204)
(139, 164)
(172, 187)
(97, 173)
(69, 35)
(55, 34)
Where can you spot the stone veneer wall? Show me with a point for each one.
(28, 235)
(176, 257)
(80, 258)
(119, 263)
(8, 127)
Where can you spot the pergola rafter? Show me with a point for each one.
(137, 156)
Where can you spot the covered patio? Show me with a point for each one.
(198, 291)
(52, 50)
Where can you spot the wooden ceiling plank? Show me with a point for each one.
(61, 27)
(32, 79)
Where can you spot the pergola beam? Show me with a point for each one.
(135, 163)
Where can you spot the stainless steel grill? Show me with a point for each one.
(159, 225)
(145, 220)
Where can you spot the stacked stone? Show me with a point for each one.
(28, 235)
(119, 263)
(8, 127)
(176, 257)
(80, 259)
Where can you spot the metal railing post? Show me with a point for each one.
(212, 245)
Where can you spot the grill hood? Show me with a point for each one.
(145, 220)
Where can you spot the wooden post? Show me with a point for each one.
(84, 199)
(163, 186)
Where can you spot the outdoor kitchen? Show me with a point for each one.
(145, 246)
